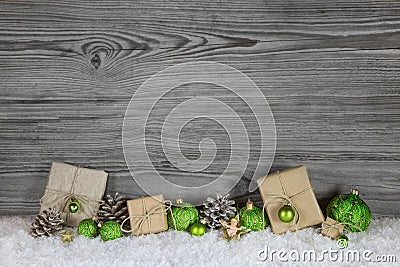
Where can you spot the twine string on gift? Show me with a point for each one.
(287, 199)
(280, 181)
(328, 227)
(68, 196)
(339, 226)
(146, 216)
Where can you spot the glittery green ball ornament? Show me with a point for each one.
(88, 227)
(197, 229)
(252, 217)
(184, 214)
(351, 210)
(110, 230)
(286, 214)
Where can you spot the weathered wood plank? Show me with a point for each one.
(329, 70)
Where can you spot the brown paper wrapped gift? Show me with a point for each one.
(67, 182)
(290, 186)
(332, 228)
(148, 215)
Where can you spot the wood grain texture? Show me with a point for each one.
(329, 70)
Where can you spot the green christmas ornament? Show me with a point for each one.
(351, 210)
(110, 230)
(184, 214)
(74, 206)
(197, 229)
(286, 213)
(88, 227)
(342, 241)
(252, 217)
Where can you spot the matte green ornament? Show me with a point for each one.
(342, 241)
(74, 206)
(252, 217)
(197, 229)
(110, 230)
(286, 213)
(88, 227)
(351, 210)
(184, 215)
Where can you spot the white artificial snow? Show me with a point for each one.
(173, 248)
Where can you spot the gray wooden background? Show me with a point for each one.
(329, 69)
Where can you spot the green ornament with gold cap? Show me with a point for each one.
(182, 215)
(252, 217)
(74, 206)
(350, 210)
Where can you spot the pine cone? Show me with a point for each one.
(217, 209)
(113, 209)
(47, 223)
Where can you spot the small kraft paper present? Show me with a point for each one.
(332, 228)
(71, 184)
(148, 215)
(291, 186)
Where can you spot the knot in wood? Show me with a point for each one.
(95, 61)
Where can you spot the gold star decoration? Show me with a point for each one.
(67, 236)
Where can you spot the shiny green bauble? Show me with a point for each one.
(351, 210)
(197, 229)
(88, 227)
(286, 213)
(110, 230)
(252, 217)
(184, 214)
(74, 206)
(342, 241)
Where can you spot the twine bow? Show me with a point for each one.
(68, 196)
(327, 226)
(146, 216)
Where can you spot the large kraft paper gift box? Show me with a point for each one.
(148, 215)
(68, 182)
(294, 185)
